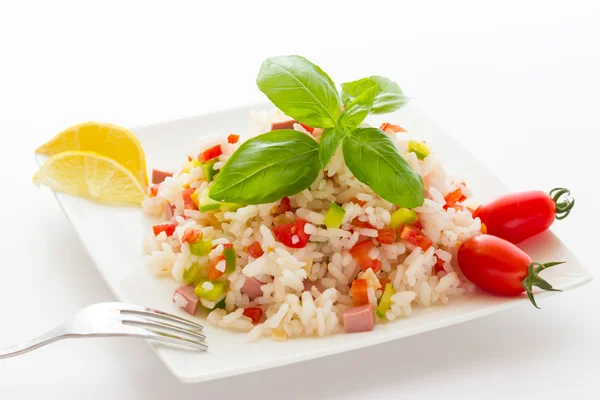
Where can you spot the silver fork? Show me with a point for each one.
(118, 319)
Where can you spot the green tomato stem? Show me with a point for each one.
(563, 207)
(533, 279)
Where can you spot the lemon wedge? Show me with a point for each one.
(90, 175)
(105, 139)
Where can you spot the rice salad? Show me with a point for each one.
(346, 259)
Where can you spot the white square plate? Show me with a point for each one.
(112, 237)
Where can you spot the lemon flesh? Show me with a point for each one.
(105, 139)
(90, 175)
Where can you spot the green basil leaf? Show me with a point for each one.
(389, 96)
(374, 160)
(330, 141)
(301, 90)
(358, 109)
(268, 167)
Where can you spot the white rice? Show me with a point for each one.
(288, 309)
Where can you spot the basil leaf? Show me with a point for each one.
(358, 109)
(301, 90)
(374, 160)
(389, 96)
(268, 167)
(330, 141)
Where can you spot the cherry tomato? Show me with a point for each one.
(358, 292)
(166, 228)
(211, 153)
(386, 235)
(361, 224)
(499, 267)
(439, 265)
(254, 313)
(519, 216)
(292, 234)
(255, 250)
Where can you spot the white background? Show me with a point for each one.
(516, 82)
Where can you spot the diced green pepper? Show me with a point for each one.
(334, 216)
(230, 259)
(231, 206)
(217, 289)
(220, 304)
(192, 275)
(403, 216)
(201, 247)
(208, 170)
(386, 301)
(419, 148)
(205, 203)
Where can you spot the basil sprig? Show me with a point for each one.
(285, 162)
(268, 167)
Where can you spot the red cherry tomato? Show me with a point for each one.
(499, 267)
(254, 313)
(292, 234)
(360, 252)
(519, 216)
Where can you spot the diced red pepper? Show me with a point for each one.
(211, 269)
(386, 235)
(191, 236)
(233, 138)
(188, 203)
(439, 265)
(462, 198)
(255, 250)
(154, 190)
(309, 129)
(362, 224)
(452, 198)
(360, 252)
(286, 233)
(254, 313)
(357, 201)
(383, 282)
(415, 237)
(394, 128)
(284, 205)
(227, 246)
(211, 153)
(166, 228)
(358, 292)
(418, 224)
(190, 158)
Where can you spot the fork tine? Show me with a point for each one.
(159, 336)
(155, 325)
(149, 312)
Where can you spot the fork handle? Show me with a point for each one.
(42, 340)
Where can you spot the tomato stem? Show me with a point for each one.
(563, 207)
(533, 279)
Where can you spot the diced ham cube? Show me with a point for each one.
(185, 298)
(359, 319)
(252, 288)
(283, 125)
(158, 176)
(308, 285)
